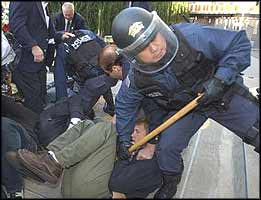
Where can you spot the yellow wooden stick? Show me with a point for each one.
(167, 123)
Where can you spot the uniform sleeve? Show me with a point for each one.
(231, 49)
(128, 101)
(236, 57)
(82, 22)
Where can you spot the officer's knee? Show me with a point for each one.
(252, 136)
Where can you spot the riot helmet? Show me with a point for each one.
(145, 39)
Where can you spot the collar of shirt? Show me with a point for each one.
(44, 5)
(66, 22)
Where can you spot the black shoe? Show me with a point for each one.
(108, 110)
(90, 115)
(16, 195)
(169, 187)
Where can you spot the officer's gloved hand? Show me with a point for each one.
(122, 152)
(213, 91)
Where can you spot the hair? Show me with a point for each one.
(109, 57)
(145, 122)
(68, 5)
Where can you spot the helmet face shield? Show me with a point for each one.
(154, 49)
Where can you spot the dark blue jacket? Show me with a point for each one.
(27, 22)
(231, 50)
(78, 22)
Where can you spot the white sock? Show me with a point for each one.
(53, 155)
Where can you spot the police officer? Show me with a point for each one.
(80, 53)
(172, 64)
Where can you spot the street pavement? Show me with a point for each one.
(217, 163)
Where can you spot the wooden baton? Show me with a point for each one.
(167, 123)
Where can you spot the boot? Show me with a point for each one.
(109, 110)
(43, 165)
(169, 186)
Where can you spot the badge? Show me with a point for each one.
(135, 28)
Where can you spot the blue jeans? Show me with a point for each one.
(13, 138)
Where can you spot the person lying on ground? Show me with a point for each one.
(85, 154)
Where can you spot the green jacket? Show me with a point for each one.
(89, 177)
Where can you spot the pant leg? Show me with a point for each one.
(54, 120)
(91, 138)
(91, 91)
(43, 90)
(240, 117)
(60, 78)
(11, 141)
(69, 136)
(30, 84)
(176, 138)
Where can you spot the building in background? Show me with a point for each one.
(229, 15)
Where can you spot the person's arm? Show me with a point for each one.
(81, 22)
(19, 13)
(8, 53)
(231, 49)
(127, 103)
(56, 22)
(236, 58)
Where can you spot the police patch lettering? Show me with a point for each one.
(154, 94)
(135, 28)
(77, 43)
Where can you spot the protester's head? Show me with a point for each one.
(68, 10)
(111, 62)
(141, 129)
(145, 39)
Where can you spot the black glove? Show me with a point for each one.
(213, 91)
(122, 151)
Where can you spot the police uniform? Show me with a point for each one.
(79, 55)
(203, 57)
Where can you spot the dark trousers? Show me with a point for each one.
(55, 119)
(60, 72)
(50, 55)
(240, 117)
(93, 88)
(33, 87)
(13, 137)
